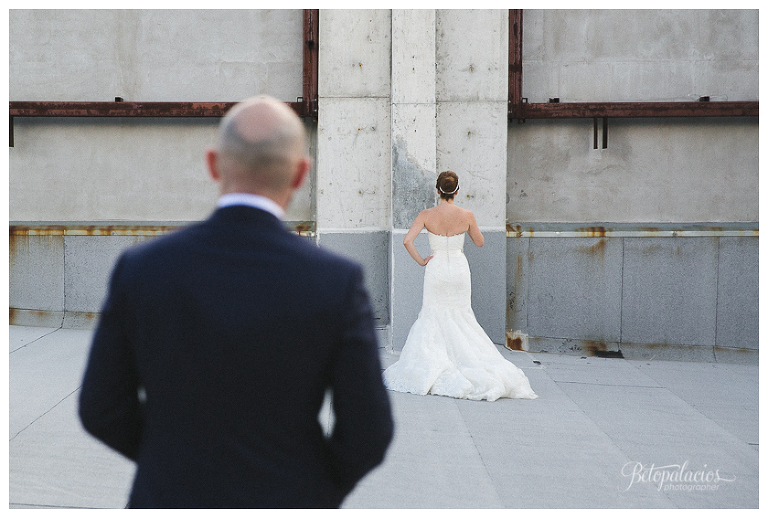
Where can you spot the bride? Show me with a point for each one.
(447, 353)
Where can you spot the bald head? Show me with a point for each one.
(261, 144)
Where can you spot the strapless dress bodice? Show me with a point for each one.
(446, 243)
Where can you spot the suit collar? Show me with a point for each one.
(244, 215)
(251, 200)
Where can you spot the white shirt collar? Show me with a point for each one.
(251, 200)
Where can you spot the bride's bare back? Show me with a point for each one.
(444, 220)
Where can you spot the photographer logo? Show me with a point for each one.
(674, 477)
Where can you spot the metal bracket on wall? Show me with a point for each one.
(605, 132)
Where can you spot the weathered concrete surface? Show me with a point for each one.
(371, 250)
(472, 68)
(354, 57)
(404, 94)
(670, 291)
(692, 298)
(738, 293)
(654, 170)
(471, 91)
(407, 283)
(154, 55)
(468, 143)
(414, 151)
(640, 55)
(575, 288)
(353, 177)
(110, 169)
(129, 169)
(413, 184)
(36, 273)
(353, 144)
(413, 56)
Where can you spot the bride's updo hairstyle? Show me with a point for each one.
(447, 184)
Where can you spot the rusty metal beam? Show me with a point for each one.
(124, 109)
(117, 109)
(515, 63)
(305, 228)
(311, 33)
(640, 109)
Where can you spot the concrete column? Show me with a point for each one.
(414, 155)
(449, 111)
(353, 175)
(472, 71)
(403, 95)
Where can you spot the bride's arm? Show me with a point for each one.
(474, 232)
(418, 224)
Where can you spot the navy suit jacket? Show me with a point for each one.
(211, 360)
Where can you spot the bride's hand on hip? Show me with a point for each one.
(427, 259)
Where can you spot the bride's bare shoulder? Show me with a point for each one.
(428, 213)
(467, 213)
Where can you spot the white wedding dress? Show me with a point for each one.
(447, 353)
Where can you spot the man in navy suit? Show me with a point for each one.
(217, 344)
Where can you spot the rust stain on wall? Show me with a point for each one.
(593, 231)
(514, 344)
(517, 230)
(15, 315)
(598, 249)
(592, 347)
(91, 230)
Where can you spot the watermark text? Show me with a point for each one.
(673, 477)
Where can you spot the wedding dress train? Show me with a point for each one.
(447, 353)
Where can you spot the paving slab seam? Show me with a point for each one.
(637, 366)
(35, 340)
(607, 384)
(479, 453)
(44, 414)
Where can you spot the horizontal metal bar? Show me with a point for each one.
(617, 230)
(640, 109)
(641, 233)
(126, 109)
(65, 228)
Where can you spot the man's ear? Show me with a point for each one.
(302, 170)
(211, 160)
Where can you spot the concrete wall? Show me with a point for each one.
(390, 121)
(648, 297)
(653, 170)
(640, 54)
(673, 202)
(85, 175)
(154, 55)
(131, 169)
(59, 280)
(668, 266)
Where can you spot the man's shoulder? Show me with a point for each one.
(159, 249)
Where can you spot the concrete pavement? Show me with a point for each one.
(604, 433)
